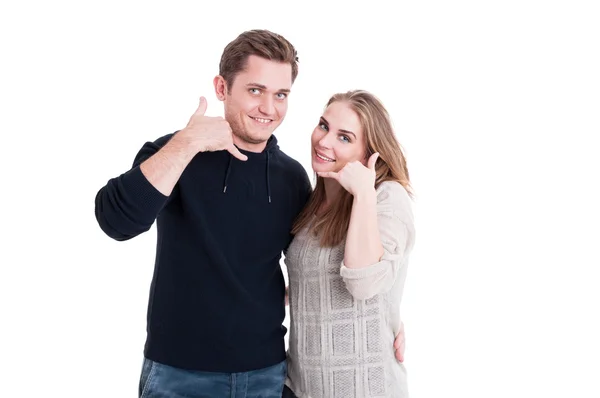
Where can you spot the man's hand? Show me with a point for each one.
(287, 296)
(208, 134)
(399, 344)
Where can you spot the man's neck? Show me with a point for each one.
(247, 146)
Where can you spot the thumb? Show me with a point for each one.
(201, 107)
(236, 152)
(373, 160)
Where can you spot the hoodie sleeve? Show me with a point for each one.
(129, 204)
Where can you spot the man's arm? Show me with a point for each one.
(399, 343)
(202, 134)
(164, 168)
(129, 204)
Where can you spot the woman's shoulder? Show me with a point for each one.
(394, 198)
(392, 191)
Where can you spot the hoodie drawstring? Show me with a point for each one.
(268, 178)
(227, 175)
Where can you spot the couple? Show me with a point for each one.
(228, 202)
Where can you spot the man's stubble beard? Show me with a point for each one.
(249, 140)
(239, 131)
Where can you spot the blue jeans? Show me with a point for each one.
(163, 381)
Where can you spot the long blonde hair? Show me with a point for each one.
(332, 225)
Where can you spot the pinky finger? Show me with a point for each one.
(236, 152)
(328, 174)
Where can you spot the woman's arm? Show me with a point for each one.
(363, 242)
(366, 273)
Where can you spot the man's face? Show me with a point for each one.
(256, 103)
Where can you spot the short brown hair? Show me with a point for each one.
(259, 42)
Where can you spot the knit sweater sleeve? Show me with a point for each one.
(395, 223)
(129, 204)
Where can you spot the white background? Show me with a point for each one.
(497, 104)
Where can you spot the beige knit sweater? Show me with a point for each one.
(343, 321)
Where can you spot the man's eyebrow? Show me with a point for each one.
(263, 87)
(256, 85)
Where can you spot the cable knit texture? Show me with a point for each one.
(343, 321)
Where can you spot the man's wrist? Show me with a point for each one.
(178, 150)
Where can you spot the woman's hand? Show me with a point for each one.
(354, 176)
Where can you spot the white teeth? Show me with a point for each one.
(262, 120)
(324, 158)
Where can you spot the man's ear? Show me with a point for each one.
(220, 87)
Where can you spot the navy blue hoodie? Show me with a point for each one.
(217, 294)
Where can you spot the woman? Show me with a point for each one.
(347, 262)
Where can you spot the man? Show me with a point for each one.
(224, 198)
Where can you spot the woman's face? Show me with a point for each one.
(337, 139)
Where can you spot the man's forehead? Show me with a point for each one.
(266, 74)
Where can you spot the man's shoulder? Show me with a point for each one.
(161, 141)
(150, 148)
(291, 165)
(158, 143)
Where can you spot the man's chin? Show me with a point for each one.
(255, 138)
(249, 142)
